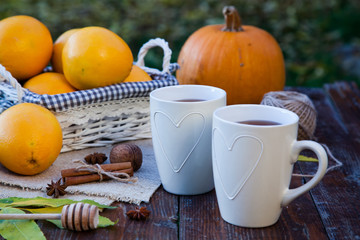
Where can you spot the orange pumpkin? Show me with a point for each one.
(245, 61)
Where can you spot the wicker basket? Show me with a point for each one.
(102, 116)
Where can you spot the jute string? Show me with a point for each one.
(96, 168)
(338, 164)
(298, 103)
(301, 105)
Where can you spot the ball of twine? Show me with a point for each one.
(298, 103)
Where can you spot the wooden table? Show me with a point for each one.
(329, 211)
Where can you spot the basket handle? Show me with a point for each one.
(157, 42)
(6, 76)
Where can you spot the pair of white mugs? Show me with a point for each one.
(198, 143)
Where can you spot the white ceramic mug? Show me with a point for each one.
(181, 131)
(253, 163)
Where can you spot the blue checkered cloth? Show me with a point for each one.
(62, 102)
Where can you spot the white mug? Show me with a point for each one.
(253, 163)
(181, 123)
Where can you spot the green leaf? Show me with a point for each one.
(46, 202)
(307, 159)
(19, 229)
(101, 206)
(43, 209)
(6, 200)
(2, 205)
(38, 202)
(105, 222)
(56, 223)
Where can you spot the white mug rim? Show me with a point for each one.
(221, 93)
(294, 116)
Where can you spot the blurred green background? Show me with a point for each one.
(320, 39)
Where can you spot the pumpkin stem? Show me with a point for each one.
(233, 21)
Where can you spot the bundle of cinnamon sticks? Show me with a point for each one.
(75, 176)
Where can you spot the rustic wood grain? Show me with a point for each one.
(200, 219)
(337, 196)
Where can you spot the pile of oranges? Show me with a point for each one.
(81, 58)
(90, 57)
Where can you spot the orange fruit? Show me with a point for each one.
(137, 74)
(49, 83)
(56, 59)
(30, 138)
(26, 46)
(96, 57)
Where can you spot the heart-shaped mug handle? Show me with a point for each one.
(320, 152)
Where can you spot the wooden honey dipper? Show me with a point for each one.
(76, 216)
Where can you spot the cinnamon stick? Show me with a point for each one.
(72, 172)
(79, 179)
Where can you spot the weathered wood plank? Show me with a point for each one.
(346, 98)
(337, 196)
(200, 219)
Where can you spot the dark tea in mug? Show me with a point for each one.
(259, 122)
(190, 100)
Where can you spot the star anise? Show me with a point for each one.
(56, 188)
(138, 214)
(95, 158)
